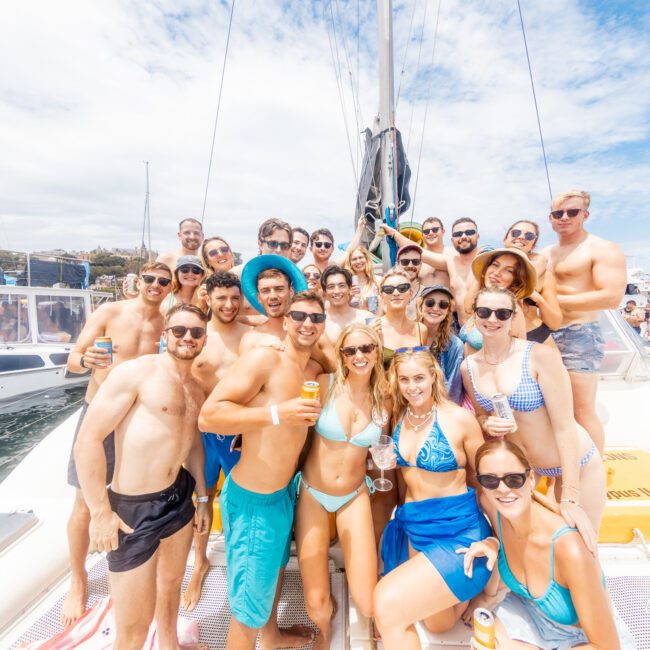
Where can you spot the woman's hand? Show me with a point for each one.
(488, 548)
(482, 600)
(576, 517)
(498, 427)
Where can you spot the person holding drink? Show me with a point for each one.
(435, 441)
(333, 478)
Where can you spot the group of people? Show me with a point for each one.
(420, 355)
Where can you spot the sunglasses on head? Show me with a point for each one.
(282, 245)
(179, 331)
(152, 279)
(312, 276)
(432, 302)
(514, 481)
(430, 231)
(222, 250)
(301, 316)
(401, 288)
(351, 350)
(194, 270)
(459, 233)
(323, 244)
(573, 212)
(485, 312)
(419, 348)
(405, 261)
(528, 236)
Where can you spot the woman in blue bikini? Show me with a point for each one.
(355, 413)
(557, 596)
(539, 392)
(435, 440)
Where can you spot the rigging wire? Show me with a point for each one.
(216, 118)
(532, 85)
(426, 110)
(406, 51)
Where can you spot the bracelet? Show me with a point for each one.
(575, 503)
(81, 361)
(496, 539)
(275, 416)
(204, 499)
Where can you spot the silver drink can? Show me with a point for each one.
(502, 409)
(373, 304)
(132, 283)
(355, 301)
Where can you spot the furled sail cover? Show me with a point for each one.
(46, 273)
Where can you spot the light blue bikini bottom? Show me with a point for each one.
(330, 502)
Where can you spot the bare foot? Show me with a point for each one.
(193, 592)
(295, 636)
(74, 604)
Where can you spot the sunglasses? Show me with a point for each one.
(405, 261)
(179, 331)
(282, 245)
(528, 236)
(573, 212)
(323, 244)
(419, 348)
(502, 314)
(194, 270)
(301, 316)
(460, 233)
(152, 279)
(312, 276)
(514, 481)
(351, 350)
(432, 302)
(222, 250)
(430, 231)
(401, 288)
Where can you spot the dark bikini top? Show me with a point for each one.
(435, 455)
(539, 334)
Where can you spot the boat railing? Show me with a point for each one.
(43, 270)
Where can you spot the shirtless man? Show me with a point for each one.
(144, 520)
(336, 282)
(432, 237)
(299, 245)
(633, 315)
(274, 237)
(409, 259)
(190, 234)
(219, 353)
(135, 327)
(322, 247)
(259, 397)
(591, 276)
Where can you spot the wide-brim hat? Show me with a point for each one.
(484, 260)
(263, 263)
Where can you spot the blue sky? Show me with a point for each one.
(93, 89)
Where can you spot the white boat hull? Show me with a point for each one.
(22, 382)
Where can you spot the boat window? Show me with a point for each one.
(59, 318)
(12, 362)
(14, 318)
(625, 355)
(59, 358)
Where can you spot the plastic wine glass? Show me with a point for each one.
(383, 452)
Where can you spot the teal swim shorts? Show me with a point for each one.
(257, 530)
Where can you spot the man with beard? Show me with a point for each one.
(134, 327)
(409, 259)
(144, 520)
(190, 234)
(299, 245)
(260, 397)
(219, 353)
(432, 238)
(336, 282)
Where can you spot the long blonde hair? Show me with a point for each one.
(425, 358)
(369, 271)
(378, 385)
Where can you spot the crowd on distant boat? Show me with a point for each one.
(443, 414)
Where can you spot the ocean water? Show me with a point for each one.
(25, 421)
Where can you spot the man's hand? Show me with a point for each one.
(299, 411)
(202, 518)
(96, 357)
(103, 531)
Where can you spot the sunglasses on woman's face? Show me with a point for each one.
(194, 270)
(432, 302)
(514, 481)
(151, 279)
(179, 331)
(312, 276)
(222, 250)
(527, 235)
(502, 314)
(401, 288)
(351, 350)
(301, 316)
(323, 244)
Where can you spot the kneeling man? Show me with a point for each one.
(144, 520)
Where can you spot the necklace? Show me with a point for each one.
(424, 418)
(498, 361)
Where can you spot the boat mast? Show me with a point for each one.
(386, 118)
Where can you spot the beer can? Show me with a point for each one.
(502, 409)
(484, 628)
(355, 301)
(373, 304)
(105, 342)
(132, 283)
(310, 390)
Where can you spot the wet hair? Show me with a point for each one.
(532, 224)
(156, 266)
(186, 307)
(334, 269)
(190, 220)
(426, 359)
(463, 220)
(518, 284)
(302, 231)
(269, 226)
(204, 254)
(497, 291)
(570, 194)
(307, 296)
(222, 280)
(437, 220)
(272, 273)
(442, 336)
(321, 231)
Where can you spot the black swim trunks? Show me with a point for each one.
(109, 451)
(153, 517)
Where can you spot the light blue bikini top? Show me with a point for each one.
(329, 426)
(435, 455)
(526, 397)
(556, 602)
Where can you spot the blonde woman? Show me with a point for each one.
(217, 255)
(359, 263)
(333, 479)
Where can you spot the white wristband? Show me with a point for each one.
(204, 499)
(496, 539)
(275, 416)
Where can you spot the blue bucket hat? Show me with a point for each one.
(263, 263)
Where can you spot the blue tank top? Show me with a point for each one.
(526, 397)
